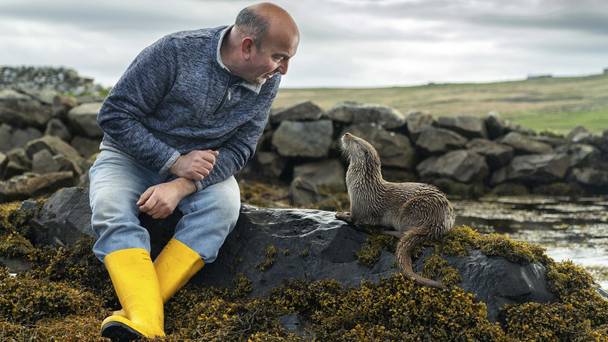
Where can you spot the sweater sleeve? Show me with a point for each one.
(136, 95)
(240, 148)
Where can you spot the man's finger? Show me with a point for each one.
(149, 205)
(144, 197)
(210, 157)
(206, 165)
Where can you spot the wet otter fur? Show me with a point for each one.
(416, 211)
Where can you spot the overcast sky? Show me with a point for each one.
(345, 43)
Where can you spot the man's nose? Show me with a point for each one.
(283, 67)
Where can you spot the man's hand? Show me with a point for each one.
(160, 200)
(195, 165)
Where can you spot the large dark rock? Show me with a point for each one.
(467, 126)
(580, 154)
(84, 119)
(315, 182)
(20, 137)
(461, 165)
(20, 110)
(303, 111)
(64, 219)
(496, 126)
(497, 281)
(18, 163)
(303, 139)
(497, 155)
(59, 149)
(3, 163)
(269, 165)
(85, 146)
(591, 177)
(394, 149)
(417, 122)
(524, 144)
(31, 184)
(11, 137)
(356, 113)
(439, 140)
(269, 246)
(534, 169)
(578, 134)
(55, 127)
(327, 174)
(62, 105)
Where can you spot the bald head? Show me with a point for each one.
(264, 20)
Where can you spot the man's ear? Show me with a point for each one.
(247, 47)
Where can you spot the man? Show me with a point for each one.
(182, 120)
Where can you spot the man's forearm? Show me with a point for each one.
(185, 185)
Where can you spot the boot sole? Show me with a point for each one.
(119, 332)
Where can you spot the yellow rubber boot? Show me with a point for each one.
(136, 285)
(175, 265)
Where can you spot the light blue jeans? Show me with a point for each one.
(116, 182)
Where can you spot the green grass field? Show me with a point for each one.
(555, 104)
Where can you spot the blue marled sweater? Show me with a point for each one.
(177, 96)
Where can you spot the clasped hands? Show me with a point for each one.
(160, 200)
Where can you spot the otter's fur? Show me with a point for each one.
(416, 211)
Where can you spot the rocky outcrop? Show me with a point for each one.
(271, 246)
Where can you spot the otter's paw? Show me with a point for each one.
(344, 216)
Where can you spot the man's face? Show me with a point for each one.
(272, 57)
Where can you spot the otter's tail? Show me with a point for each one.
(405, 247)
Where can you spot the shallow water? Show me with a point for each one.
(574, 229)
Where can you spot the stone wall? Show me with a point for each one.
(35, 79)
(47, 140)
(465, 155)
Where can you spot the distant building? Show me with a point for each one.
(539, 76)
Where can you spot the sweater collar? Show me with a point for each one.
(255, 87)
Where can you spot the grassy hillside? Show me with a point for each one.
(557, 104)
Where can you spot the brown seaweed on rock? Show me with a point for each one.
(67, 293)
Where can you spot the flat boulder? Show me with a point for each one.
(534, 169)
(303, 111)
(84, 119)
(303, 139)
(524, 144)
(356, 113)
(434, 140)
(31, 184)
(461, 165)
(591, 177)
(497, 155)
(467, 126)
(21, 110)
(417, 122)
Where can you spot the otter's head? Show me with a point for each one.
(359, 151)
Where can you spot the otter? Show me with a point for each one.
(416, 211)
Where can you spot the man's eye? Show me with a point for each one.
(278, 58)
